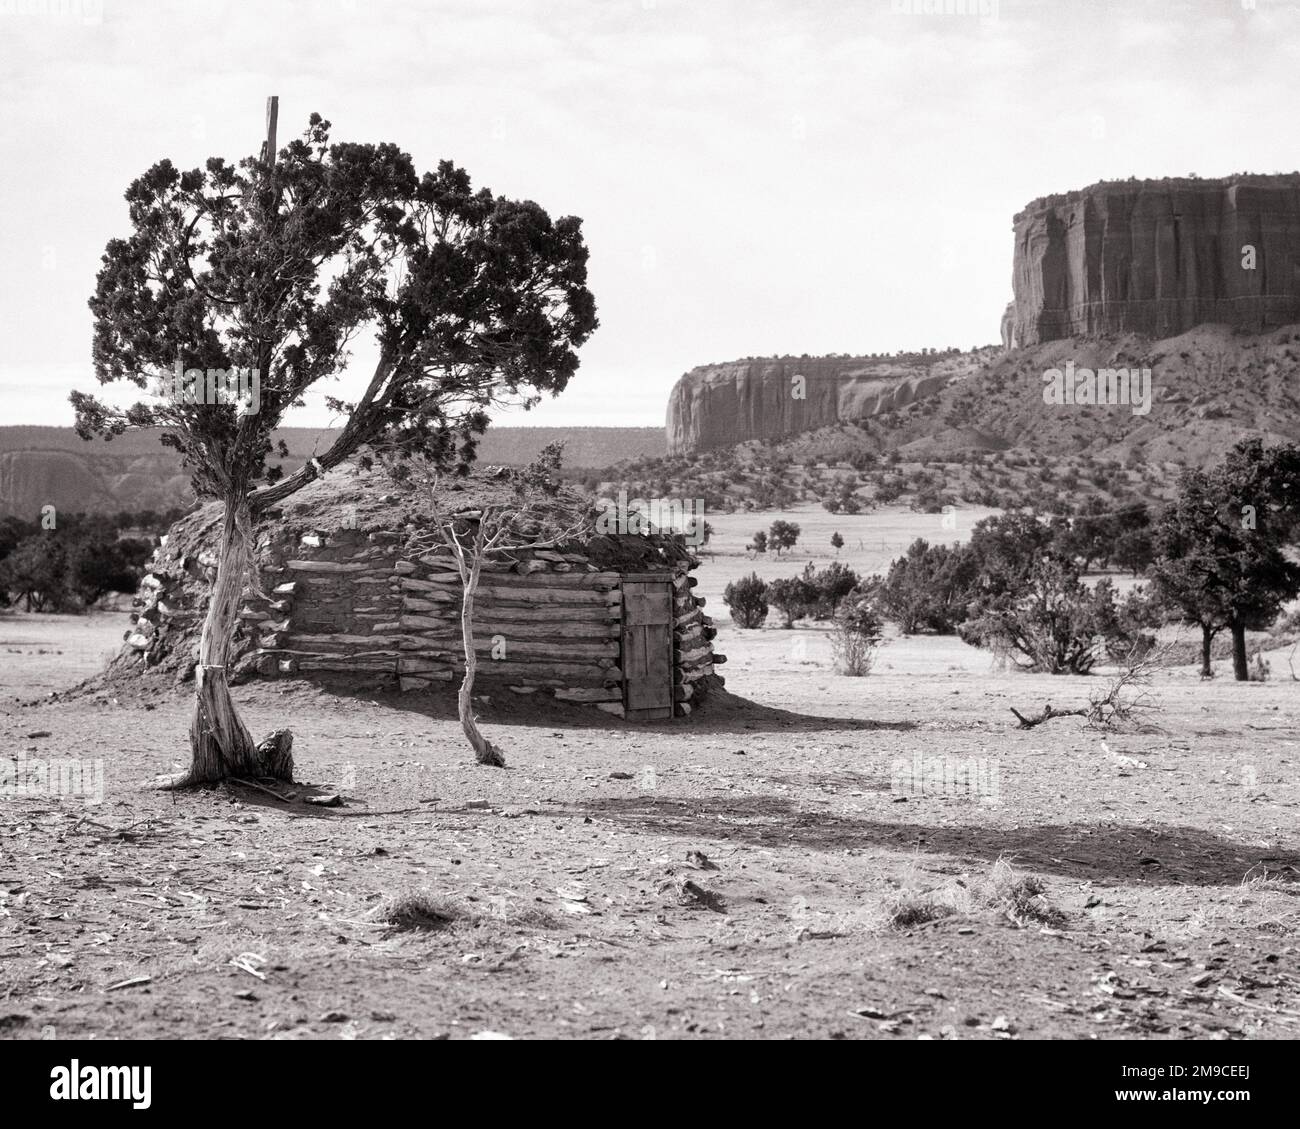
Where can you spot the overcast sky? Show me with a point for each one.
(755, 176)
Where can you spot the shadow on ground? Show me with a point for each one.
(721, 713)
(1119, 854)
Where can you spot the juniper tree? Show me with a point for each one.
(782, 535)
(1220, 545)
(275, 265)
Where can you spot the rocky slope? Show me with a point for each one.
(1157, 258)
(721, 405)
(992, 439)
(1209, 387)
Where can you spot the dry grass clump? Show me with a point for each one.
(1021, 898)
(419, 910)
(531, 917)
(910, 912)
(910, 908)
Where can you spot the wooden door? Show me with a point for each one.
(647, 649)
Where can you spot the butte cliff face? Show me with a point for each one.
(721, 405)
(1157, 258)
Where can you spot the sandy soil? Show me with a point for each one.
(561, 884)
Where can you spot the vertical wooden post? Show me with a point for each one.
(272, 120)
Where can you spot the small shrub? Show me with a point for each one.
(856, 637)
(792, 596)
(746, 599)
(829, 588)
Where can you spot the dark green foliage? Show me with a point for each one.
(276, 267)
(1095, 535)
(35, 572)
(783, 535)
(927, 589)
(812, 594)
(746, 599)
(70, 567)
(1051, 623)
(829, 588)
(1135, 550)
(890, 488)
(857, 633)
(1220, 546)
(792, 596)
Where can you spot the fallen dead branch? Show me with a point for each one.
(127, 833)
(1047, 715)
(261, 788)
(1128, 693)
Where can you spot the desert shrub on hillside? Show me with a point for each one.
(890, 489)
(746, 599)
(843, 500)
(930, 499)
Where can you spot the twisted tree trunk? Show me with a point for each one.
(484, 751)
(220, 744)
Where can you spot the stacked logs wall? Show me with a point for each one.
(349, 603)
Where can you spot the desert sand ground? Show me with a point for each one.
(566, 894)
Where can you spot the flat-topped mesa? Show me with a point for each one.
(1157, 257)
(762, 398)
